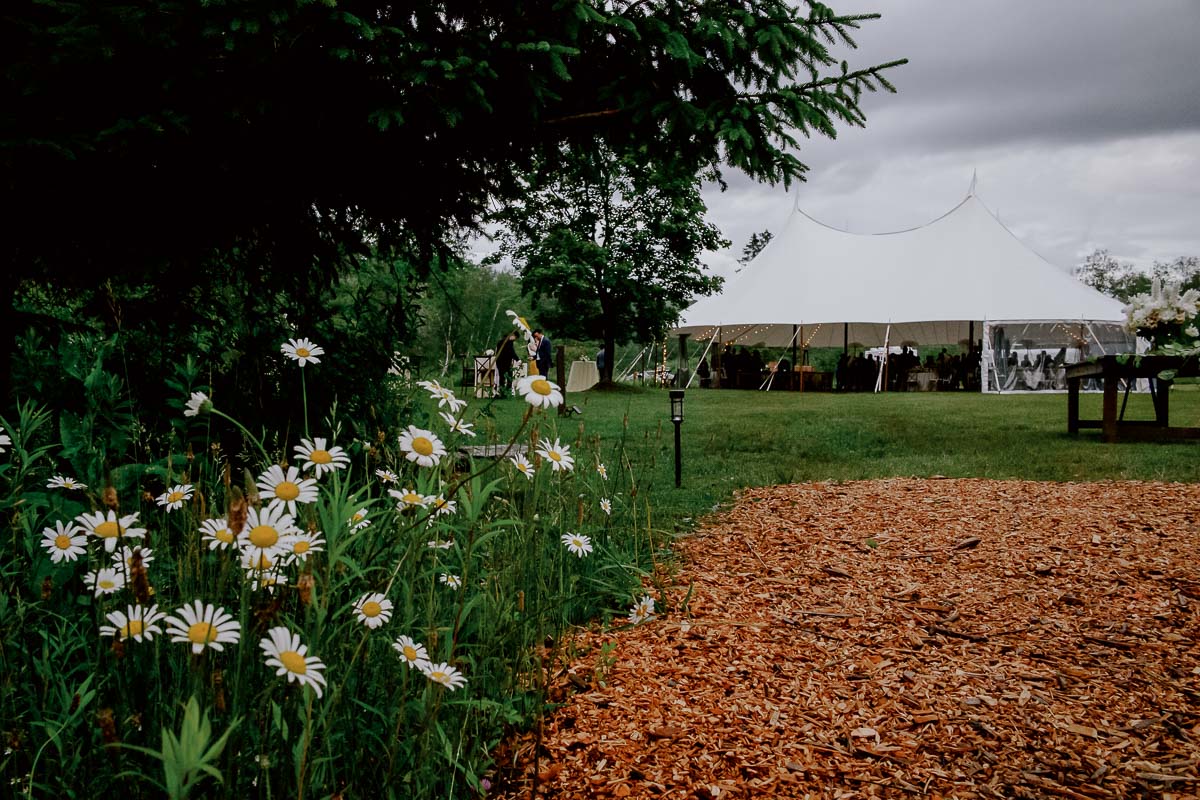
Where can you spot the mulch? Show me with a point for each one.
(898, 638)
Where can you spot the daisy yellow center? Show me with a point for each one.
(133, 628)
(286, 490)
(422, 446)
(303, 352)
(320, 457)
(106, 583)
(554, 454)
(358, 517)
(438, 676)
(201, 633)
(224, 535)
(261, 563)
(62, 542)
(410, 652)
(301, 547)
(541, 386)
(264, 536)
(108, 530)
(413, 499)
(175, 497)
(293, 661)
(371, 609)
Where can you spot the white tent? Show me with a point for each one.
(818, 286)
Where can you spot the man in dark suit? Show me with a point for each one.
(542, 353)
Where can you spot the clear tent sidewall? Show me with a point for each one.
(1026, 356)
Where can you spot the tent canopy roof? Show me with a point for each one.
(929, 282)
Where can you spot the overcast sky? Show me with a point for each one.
(1081, 118)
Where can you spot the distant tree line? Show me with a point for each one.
(1123, 280)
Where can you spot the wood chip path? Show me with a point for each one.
(899, 638)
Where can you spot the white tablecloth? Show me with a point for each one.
(583, 376)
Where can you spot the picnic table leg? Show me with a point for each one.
(1073, 406)
(1110, 407)
(1162, 399)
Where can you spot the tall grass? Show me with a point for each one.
(481, 583)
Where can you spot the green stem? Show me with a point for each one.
(244, 430)
(304, 400)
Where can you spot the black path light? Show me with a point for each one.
(677, 418)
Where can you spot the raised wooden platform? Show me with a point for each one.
(1115, 370)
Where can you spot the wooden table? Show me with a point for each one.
(1113, 370)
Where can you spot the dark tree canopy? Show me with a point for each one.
(140, 135)
(1104, 272)
(755, 246)
(614, 242)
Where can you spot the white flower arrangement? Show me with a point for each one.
(1162, 314)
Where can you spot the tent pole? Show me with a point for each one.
(794, 358)
(716, 362)
(970, 336)
(845, 338)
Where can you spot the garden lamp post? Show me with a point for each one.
(677, 418)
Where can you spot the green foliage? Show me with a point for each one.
(482, 587)
(1102, 271)
(187, 758)
(755, 246)
(615, 243)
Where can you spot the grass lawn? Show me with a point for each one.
(733, 439)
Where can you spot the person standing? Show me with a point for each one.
(506, 353)
(543, 348)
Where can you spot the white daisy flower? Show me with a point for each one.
(409, 498)
(287, 488)
(203, 626)
(434, 388)
(412, 653)
(1192, 330)
(5, 440)
(602, 471)
(174, 497)
(642, 610)
(269, 531)
(387, 476)
(260, 564)
(421, 446)
(559, 455)
(284, 651)
(134, 622)
(606, 505)
(444, 674)
(359, 520)
(521, 324)
(305, 544)
(441, 505)
(457, 425)
(302, 350)
(104, 581)
(373, 610)
(123, 558)
(447, 399)
(64, 542)
(198, 403)
(438, 544)
(539, 391)
(523, 466)
(321, 458)
(216, 532)
(110, 528)
(577, 543)
(63, 482)
(264, 579)
(452, 581)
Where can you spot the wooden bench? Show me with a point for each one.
(1112, 371)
